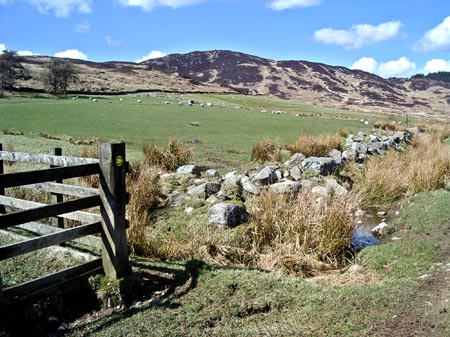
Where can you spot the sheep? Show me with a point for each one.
(139, 101)
(94, 100)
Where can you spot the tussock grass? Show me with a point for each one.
(318, 146)
(386, 125)
(423, 166)
(173, 155)
(146, 195)
(302, 234)
(266, 150)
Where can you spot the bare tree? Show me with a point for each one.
(57, 75)
(9, 64)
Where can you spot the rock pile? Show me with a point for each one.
(296, 173)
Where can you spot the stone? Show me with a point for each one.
(176, 199)
(354, 269)
(251, 188)
(211, 173)
(266, 176)
(320, 191)
(189, 169)
(381, 229)
(204, 190)
(349, 155)
(323, 165)
(360, 148)
(336, 155)
(335, 187)
(286, 187)
(227, 215)
(296, 173)
(296, 159)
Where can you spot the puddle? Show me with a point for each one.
(363, 236)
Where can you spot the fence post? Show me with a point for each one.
(56, 197)
(2, 189)
(114, 199)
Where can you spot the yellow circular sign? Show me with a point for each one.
(119, 161)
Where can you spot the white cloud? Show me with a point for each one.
(148, 5)
(62, 8)
(25, 53)
(436, 65)
(394, 68)
(83, 27)
(359, 35)
(397, 68)
(111, 42)
(154, 54)
(366, 64)
(280, 5)
(72, 54)
(2, 47)
(437, 38)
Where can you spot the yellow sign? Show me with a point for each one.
(119, 161)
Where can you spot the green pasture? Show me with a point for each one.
(225, 131)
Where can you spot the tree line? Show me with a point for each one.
(56, 76)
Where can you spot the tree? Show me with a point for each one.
(57, 75)
(9, 64)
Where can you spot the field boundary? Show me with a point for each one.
(111, 199)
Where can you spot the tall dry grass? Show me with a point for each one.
(300, 234)
(423, 166)
(266, 150)
(170, 158)
(146, 194)
(318, 146)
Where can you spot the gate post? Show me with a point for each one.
(2, 189)
(114, 199)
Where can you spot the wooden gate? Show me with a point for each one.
(111, 196)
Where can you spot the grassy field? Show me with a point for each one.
(226, 131)
(389, 297)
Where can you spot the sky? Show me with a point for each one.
(390, 38)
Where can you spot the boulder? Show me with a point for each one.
(227, 215)
(335, 187)
(211, 173)
(266, 176)
(322, 165)
(286, 187)
(296, 159)
(204, 190)
(189, 169)
(296, 173)
(336, 155)
(249, 186)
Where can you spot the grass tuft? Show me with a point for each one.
(173, 156)
(266, 150)
(318, 146)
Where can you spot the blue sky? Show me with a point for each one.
(389, 38)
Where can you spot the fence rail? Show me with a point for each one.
(111, 197)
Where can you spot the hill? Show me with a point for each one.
(309, 82)
(221, 71)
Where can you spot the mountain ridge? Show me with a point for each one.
(228, 72)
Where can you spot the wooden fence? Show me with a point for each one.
(111, 197)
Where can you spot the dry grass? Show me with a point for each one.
(423, 166)
(301, 234)
(173, 156)
(266, 150)
(145, 195)
(386, 125)
(343, 132)
(318, 146)
(92, 180)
